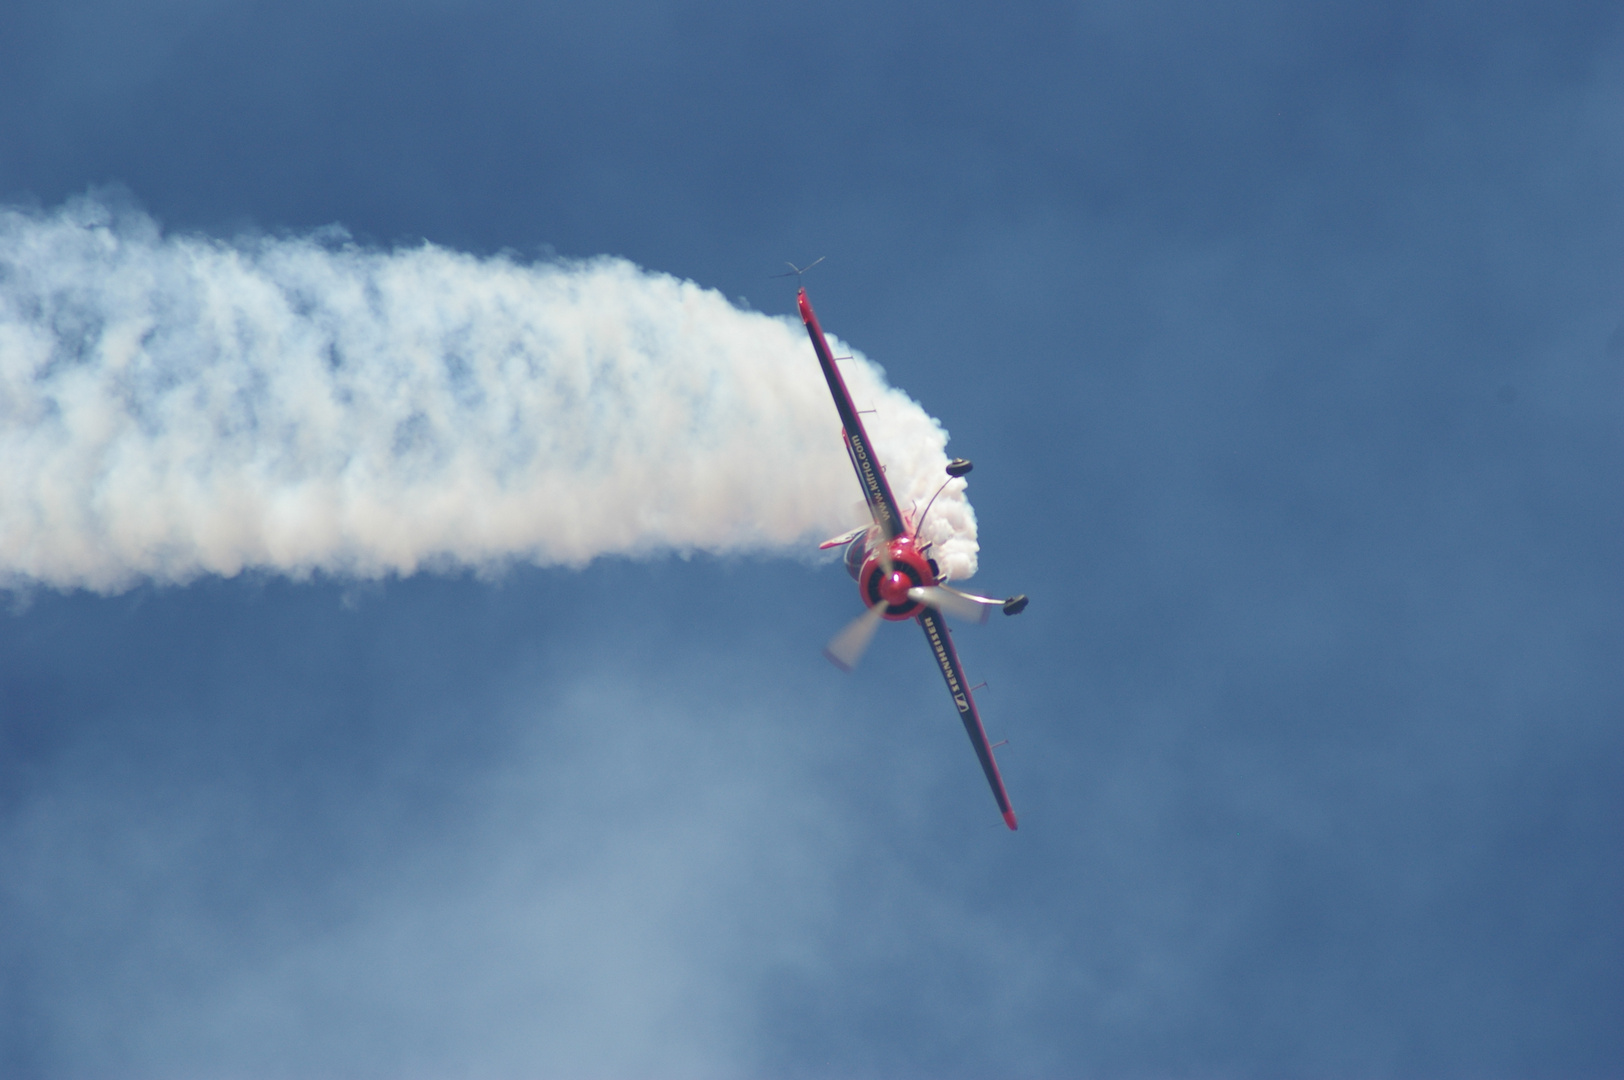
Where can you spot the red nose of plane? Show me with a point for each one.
(894, 588)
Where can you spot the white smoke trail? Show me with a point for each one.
(174, 406)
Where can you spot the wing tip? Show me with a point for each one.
(1009, 819)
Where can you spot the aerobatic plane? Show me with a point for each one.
(895, 574)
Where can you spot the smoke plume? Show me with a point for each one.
(175, 406)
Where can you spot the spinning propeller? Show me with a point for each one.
(848, 646)
(898, 592)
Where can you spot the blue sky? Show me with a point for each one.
(1288, 342)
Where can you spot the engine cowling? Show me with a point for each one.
(909, 568)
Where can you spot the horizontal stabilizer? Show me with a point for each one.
(843, 539)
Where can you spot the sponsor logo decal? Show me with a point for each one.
(939, 647)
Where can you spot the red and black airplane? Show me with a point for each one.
(895, 574)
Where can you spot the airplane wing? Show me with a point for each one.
(881, 503)
(947, 658)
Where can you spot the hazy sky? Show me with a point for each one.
(1287, 342)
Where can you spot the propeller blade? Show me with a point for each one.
(848, 646)
(949, 602)
(990, 601)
